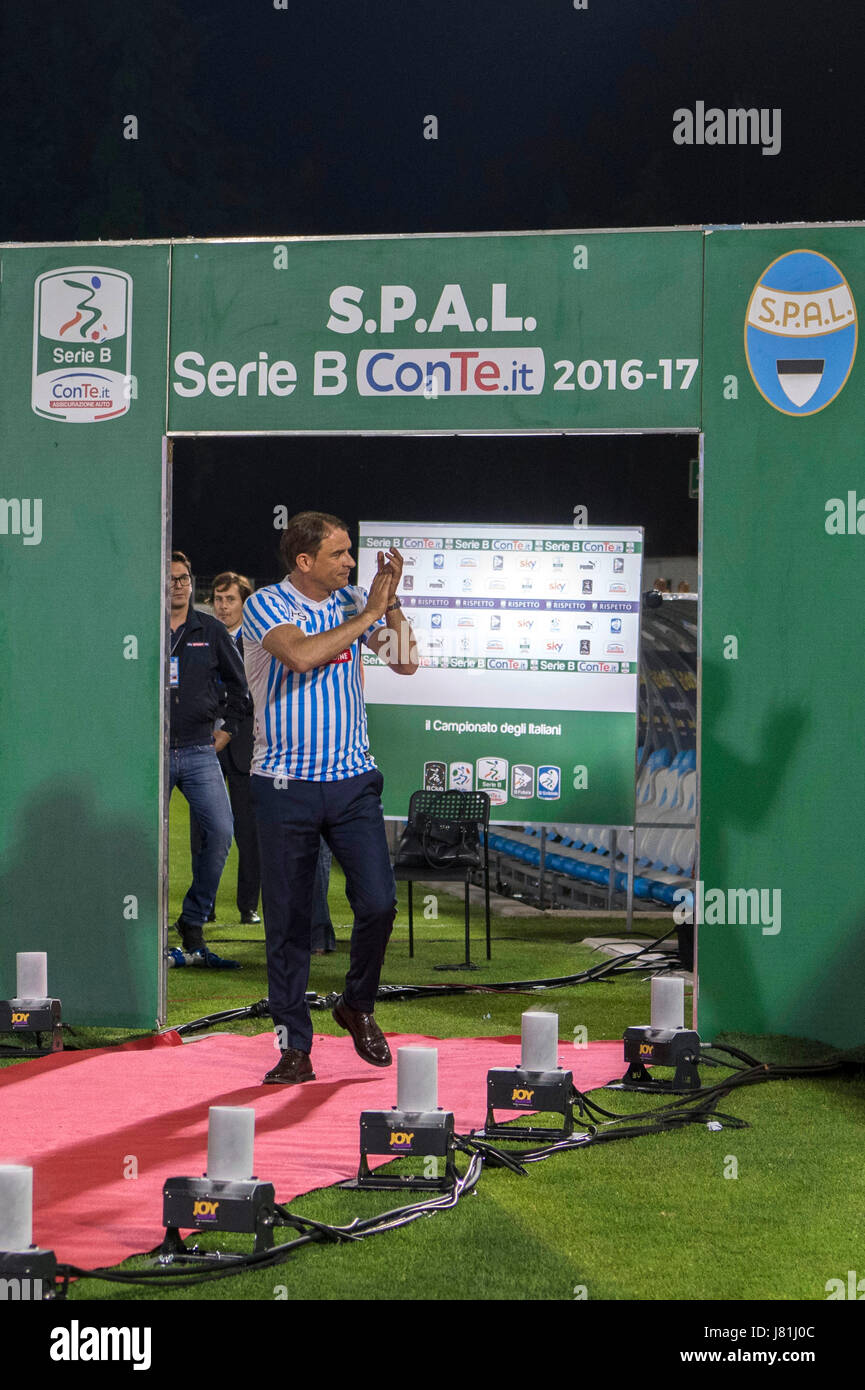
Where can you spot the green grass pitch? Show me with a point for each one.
(773, 1211)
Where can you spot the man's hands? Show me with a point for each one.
(394, 642)
(382, 590)
(393, 562)
(220, 740)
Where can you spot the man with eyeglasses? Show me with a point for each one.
(202, 653)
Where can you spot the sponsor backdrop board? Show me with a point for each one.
(783, 662)
(83, 408)
(528, 640)
(572, 331)
(557, 331)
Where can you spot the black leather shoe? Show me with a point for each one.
(293, 1067)
(369, 1041)
(249, 919)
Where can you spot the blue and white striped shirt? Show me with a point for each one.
(311, 725)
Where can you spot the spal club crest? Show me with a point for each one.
(800, 333)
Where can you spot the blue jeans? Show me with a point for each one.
(290, 818)
(195, 770)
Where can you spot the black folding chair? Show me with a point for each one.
(462, 818)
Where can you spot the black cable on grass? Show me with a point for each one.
(260, 1009)
(707, 1061)
(696, 1107)
(496, 1158)
(11, 1054)
(182, 1278)
(735, 1052)
(752, 1076)
(661, 1122)
(312, 1232)
(334, 1233)
(266, 1259)
(618, 965)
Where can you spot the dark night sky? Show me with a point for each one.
(258, 121)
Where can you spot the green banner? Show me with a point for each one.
(564, 331)
(560, 331)
(81, 533)
(783, 663)
(561, 767)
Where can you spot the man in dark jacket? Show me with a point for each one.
(202, 654)
(228, 595)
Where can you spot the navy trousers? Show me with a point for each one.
(291, 815)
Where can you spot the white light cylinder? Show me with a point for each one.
(230, 1141)
(540, 1042)
(16, 1206)
(668, 1002)
(417, 1079)
(32, 972)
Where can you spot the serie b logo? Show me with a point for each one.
(82, 344)
(800, 333)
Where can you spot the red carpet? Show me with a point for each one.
(87, 1121)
